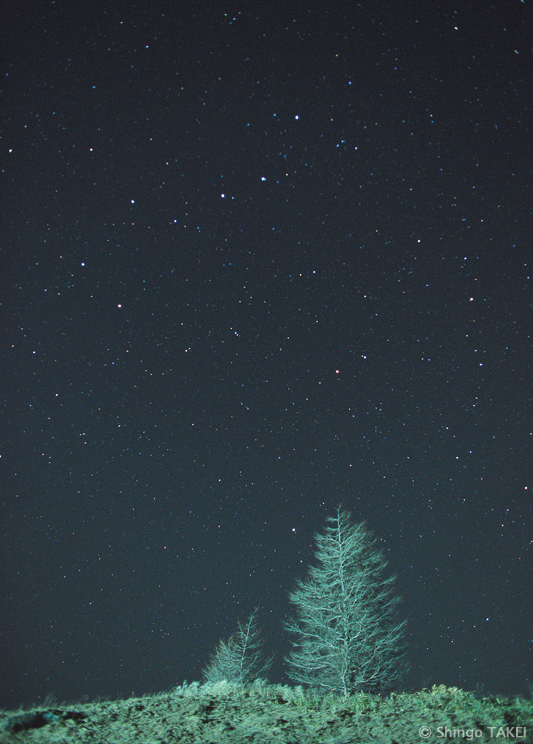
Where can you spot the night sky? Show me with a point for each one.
(257, 262)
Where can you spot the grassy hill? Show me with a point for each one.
(274, 714)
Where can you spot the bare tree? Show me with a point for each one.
(347, 637)
(240, 658)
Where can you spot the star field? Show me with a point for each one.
(255, 264)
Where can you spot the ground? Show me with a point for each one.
(265, 714)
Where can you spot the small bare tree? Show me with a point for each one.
(347, 635)
(240, 658)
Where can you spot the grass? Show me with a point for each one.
(266, 714)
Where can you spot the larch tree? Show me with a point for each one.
(347, 637)
(240, 658)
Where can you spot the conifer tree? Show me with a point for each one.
(240, 658)
(347, 636)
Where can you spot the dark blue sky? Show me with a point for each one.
(256, 263)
